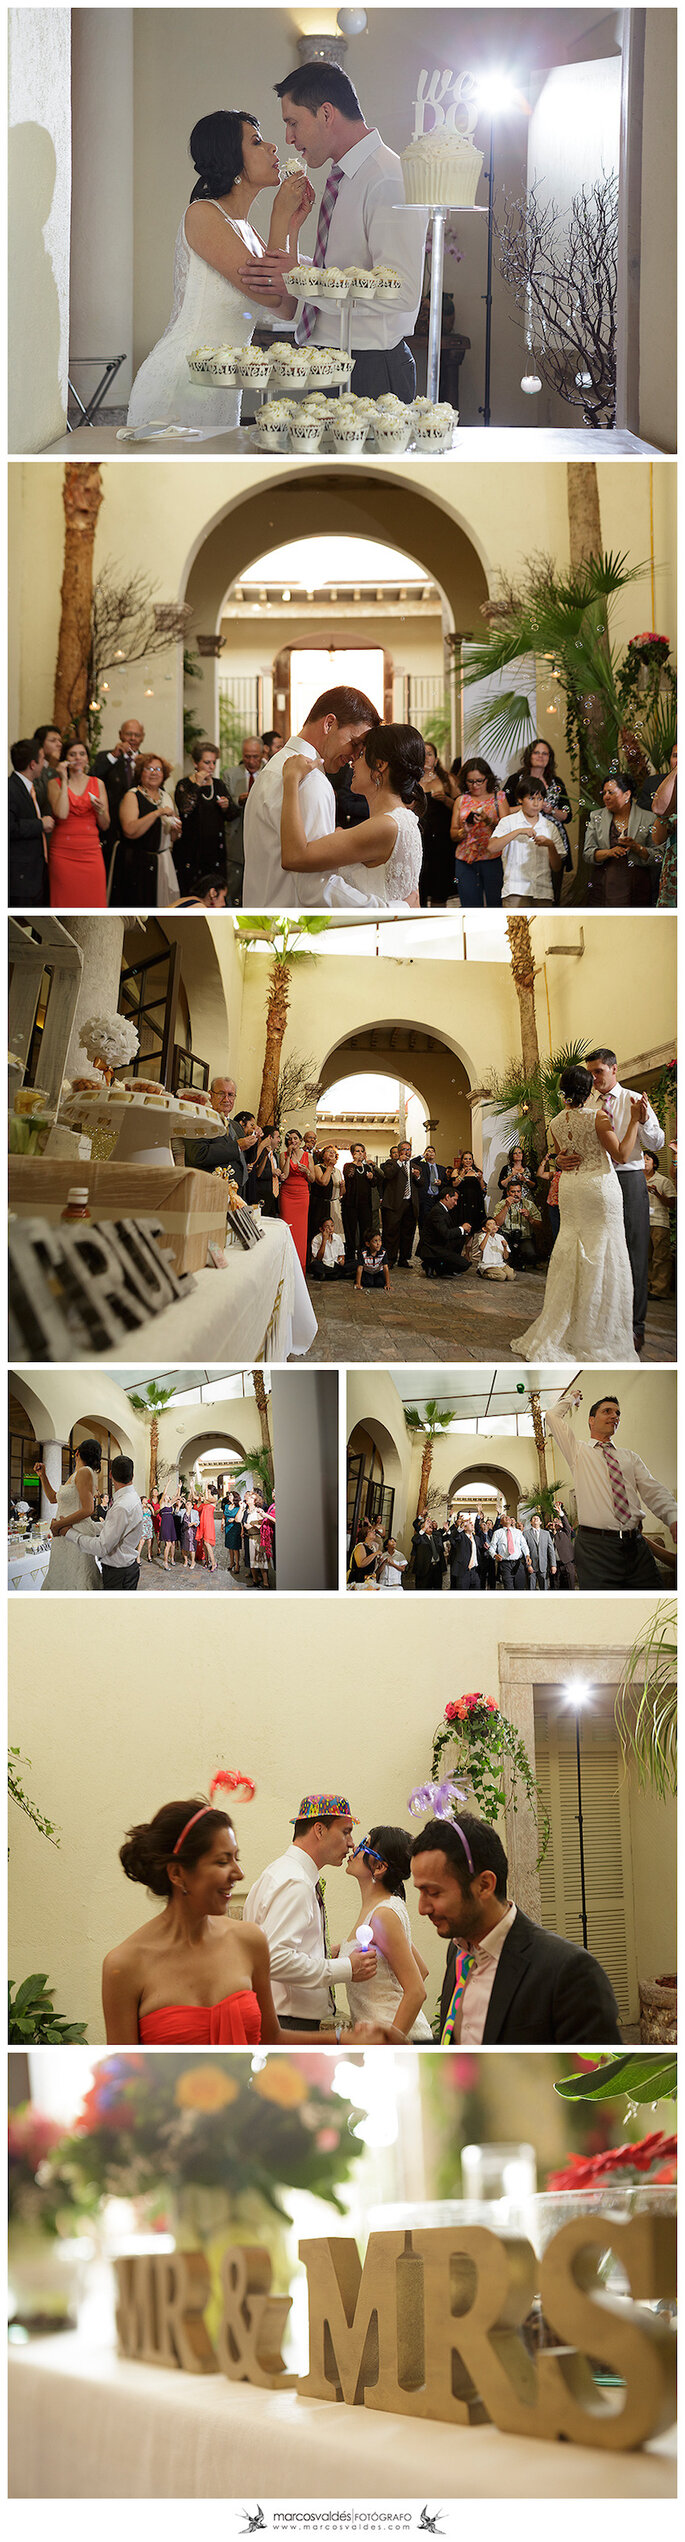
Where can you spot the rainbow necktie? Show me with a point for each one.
(465, 1961)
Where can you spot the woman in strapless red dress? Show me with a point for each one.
(80, 808)
(192, 1976)
(293, 1205)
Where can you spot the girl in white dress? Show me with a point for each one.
(388, 774)
(70, 1566)
(209, 304)
(396, 1994)
(588, 1305)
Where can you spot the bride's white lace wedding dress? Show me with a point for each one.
(206, 309)
(588, 1305)
(380, 1997)
(70, 1566)
(381, 886)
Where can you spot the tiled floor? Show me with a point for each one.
(200, 1581)
(460, 1319)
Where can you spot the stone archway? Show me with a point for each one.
(215, 1441)
(481, 1471)
(332, 501)
(374, 1474)
(437, 1068)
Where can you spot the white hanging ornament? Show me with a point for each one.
(583, 379)
(530, 383)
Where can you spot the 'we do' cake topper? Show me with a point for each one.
(448, 100)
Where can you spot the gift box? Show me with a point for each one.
(190, 1206)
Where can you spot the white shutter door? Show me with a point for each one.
(606, 1840)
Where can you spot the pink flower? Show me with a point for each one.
(454, 1711)
(491, 1703)
(328, 2140)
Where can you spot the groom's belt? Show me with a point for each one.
(623, 1532)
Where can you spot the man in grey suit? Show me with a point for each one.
(542, 1552)
(208, 1153)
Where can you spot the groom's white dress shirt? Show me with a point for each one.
(115, 1541)
(367, 228)
(284, 1902)
(265, 885)
(594, 1497)
(650, 1134)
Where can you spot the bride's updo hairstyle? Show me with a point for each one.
(90, 1453)
(148, 1849)
(403, 751)
(576, 1084)
(394, 1845)
(216, 150)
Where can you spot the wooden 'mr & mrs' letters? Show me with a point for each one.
(430, 2326)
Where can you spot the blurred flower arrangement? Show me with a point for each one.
(654, 2159)
(41, 2196)
(486, 1745)
(164, 2129)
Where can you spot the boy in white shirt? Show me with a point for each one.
(494, 1253)
(531, 850)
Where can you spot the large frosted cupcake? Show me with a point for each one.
(434, 427)
(362, 282)
(254, 366)
(442, 168)
(332, 283)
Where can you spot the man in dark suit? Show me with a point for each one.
(28, 855)
(464, 1569)
(117, 769)
(399, 1207)
(360, 1208)
(429, 1179)
(206, 1154)
(519, 1986)
(443, 1241)
(429, 1559)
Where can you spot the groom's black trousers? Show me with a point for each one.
(607, 1560)
(635, 1192)
(114, 1577)
(376, 374)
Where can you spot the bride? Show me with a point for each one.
(233, 164)
(70, 1566)
(394, 1997)
(588, 1305)
(381, 856)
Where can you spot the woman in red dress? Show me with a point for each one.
(206, 1533)
(296, 1175)
(192, 1976)
(80, 807)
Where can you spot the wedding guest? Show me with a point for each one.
(271, 743)
(548, 1174)
(444, 1242)
(511, 1556)
(429, 1556)
(516, 1171)
(612, 1487)
(661, 1194)
(156, 1508)
(116, 1542)
(429, 1178)
(233, 1529)
(325, 1196)
(206, 1532)
(239, 780)
(507, 1982)
(392, 1565)
(48, 740)
(516, 1219)
(469, 1182)
(479, 806)
(116, 768)
(618, 848)
(80, 811)
(542, 1550)
(530, 848)
(167, 1530)
(493, 1253)
(28, 851)
(463, 1553)
(399, 1207)
(259, 1532)
(287, 1902)
(617, 1101)
(263, 1181)
(665, 833)
(436, 881)
(192, 1976)
(293, 1205)
(396, 1996)
(358, 225)
(363, 1562)
(328, 1254)
(538, 761)
(147, 1536)
(208, 1153)
(562, 1531)
(360, 1202)
(204, 806)
(372, 1267)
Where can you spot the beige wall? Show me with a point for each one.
(56, 1400)
(658, 273)
(40, 184)
(192, 528)
(100, 1760)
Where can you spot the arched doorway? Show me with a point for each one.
(373, 1472)
(486, 1482)
(218, 1451)
(112, 1442)
(331, 501)
(379, 1109)
(302, 670)
(420, 1059)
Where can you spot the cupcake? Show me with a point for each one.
(349, 432)
(321, 362)
(225, 361)
(201, 362)
(253, 366)
(332, 283)
(271, 431)
(298, 281)
(388, 285)
(306, 432)
(362, 282)
(434, 427)
(391, 405)
(393, 432)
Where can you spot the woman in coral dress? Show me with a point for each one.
(206, 1533)
(192, 1976)
(293, 1206)
(80, 808)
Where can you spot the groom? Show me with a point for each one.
(615, 1100)
(334, 732)
(363, 221)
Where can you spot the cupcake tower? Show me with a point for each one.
(144, 1114)
(350, 424)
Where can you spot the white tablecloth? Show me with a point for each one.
(472, 441)
(258, 1308)
(28, 1570)
(86, 2424)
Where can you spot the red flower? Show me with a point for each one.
(587, 2171)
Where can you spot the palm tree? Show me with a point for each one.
(523, 972)
(261, 1400)
(82, 493)
(561, 621)
(283, 935)
(426, 1424)
(154, 1401)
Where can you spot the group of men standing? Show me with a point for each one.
(397, 1197)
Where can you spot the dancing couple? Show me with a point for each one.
(296, 853)
(595, 1302)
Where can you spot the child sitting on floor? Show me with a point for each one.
(372, 1265)
(494, 1261)
(328, 1254)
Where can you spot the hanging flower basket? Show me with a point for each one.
(649, 649)
(490, 1754)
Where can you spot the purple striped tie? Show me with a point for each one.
(616, 1484)
(305, 324)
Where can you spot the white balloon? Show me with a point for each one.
(351, 21)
